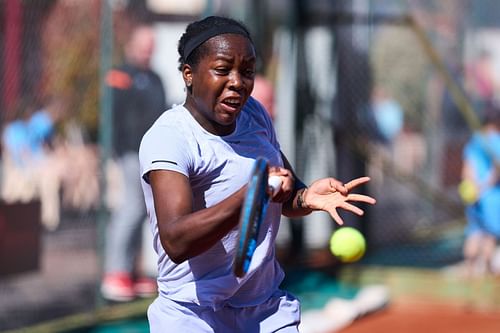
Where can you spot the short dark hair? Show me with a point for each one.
(491, 114)
(197, 28)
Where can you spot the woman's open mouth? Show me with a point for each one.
(231, 104)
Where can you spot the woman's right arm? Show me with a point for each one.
(184, 233)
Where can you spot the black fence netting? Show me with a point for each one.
(388, 89)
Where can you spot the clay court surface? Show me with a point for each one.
(418, 317)
(430, 301)
(421, 300)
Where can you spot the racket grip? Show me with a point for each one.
(275, 184)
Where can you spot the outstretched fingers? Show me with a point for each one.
(361, 198)
(336, 217)
(337, 186)
(356, 182)
(346, 205)
(351, 208)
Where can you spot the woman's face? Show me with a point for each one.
(221, 83)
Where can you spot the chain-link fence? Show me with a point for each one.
(388, 89)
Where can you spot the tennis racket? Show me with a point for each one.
(253, 212)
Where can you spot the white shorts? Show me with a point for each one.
(280, 313)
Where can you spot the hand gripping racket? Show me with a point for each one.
(253, 212)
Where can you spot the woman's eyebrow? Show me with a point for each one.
(228, 57)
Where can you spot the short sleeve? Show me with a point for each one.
(265, 119)
(164, 148)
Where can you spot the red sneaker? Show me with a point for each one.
(118, 287)
(145, 287)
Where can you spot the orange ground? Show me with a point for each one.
(412, 317)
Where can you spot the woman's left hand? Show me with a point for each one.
(328, 194)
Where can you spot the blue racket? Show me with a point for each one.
(253, 212)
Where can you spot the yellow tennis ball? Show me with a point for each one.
(347, 244)
(468, 191)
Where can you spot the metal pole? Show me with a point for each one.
(209, 8)
(105, 126)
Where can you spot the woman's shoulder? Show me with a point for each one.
(172, 118)
(170, 123)
(256, 110)
(254, 104)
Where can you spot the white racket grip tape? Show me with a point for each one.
(275, 184)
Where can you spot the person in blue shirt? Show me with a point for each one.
(481, 160)
(29, 169)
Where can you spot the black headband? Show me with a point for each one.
(209, 33)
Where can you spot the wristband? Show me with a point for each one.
(300, 200)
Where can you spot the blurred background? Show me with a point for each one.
(387, 88)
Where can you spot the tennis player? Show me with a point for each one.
(481, 161)
(195, 162)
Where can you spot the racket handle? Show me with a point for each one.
(275, 184)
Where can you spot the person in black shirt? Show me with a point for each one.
(138, 100)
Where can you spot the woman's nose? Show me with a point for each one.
(236, 80)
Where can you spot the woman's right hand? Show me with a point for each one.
(287, 183)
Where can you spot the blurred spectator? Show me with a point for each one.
(388, 115)
(29, 171)
(138, 100)
(263, 91)
(481, 168)
(15, 135)
(410, 151)
(80, 188)
(480, 80)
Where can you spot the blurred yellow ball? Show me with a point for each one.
(468, 191)
(347, 244)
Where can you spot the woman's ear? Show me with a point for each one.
(187, 75)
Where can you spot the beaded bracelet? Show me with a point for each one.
(300, 200)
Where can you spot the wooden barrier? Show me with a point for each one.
(20, 237)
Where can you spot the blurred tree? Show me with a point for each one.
(400, 66)
(70, 52)
(70, 55)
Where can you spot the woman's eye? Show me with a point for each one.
(221, 70)
(250, 72)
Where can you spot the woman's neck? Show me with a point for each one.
(208, 124)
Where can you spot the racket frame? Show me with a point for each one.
(253, 212)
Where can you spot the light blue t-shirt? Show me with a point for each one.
(16, 141)
(480, 152)
(41, 129)
(216, 167)
(389, 117)
(24, 140)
